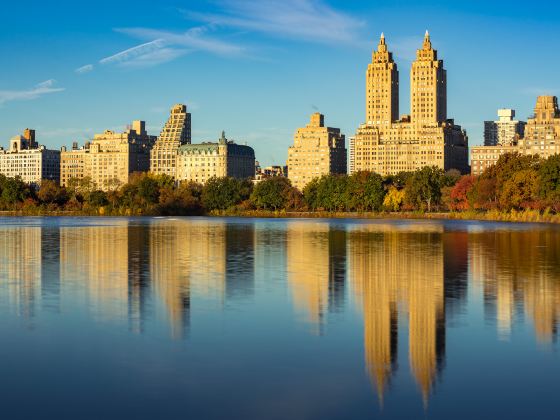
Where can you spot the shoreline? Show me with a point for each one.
(526, 216)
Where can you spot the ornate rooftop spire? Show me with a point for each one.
(427, 45)
(382, 47)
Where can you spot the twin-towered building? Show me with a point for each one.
(385, 143)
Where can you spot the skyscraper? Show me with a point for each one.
(175, 133)
(388, 145)
(541, 135)
(382, 86)
(317, 151)
(506, 131)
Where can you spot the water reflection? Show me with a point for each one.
(401, 267)
(519, 274)
(316, 264)
(410, 281)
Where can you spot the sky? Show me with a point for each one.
(258, 68)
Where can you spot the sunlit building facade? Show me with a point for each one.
(317, 151)
(202, 161)
(175, 133)
(506, 131)
(110, 158)
(541, 137)
(28, 160)
(427, 137)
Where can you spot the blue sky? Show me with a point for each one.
(258, 69)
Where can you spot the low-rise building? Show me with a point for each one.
(317, 151)
(110, 158)
(270, 172)
(30, 161)
(200, 162)
(482, 157)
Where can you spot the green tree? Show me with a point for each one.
(549, 174)
(310, 194)
(332, 192)
(365, 191)
(399, 180)
(97, 198)
(148, 189)
(423, 189)
(272, 193)
(223, 193)
(15, 190)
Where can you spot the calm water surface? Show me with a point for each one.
(317, 319)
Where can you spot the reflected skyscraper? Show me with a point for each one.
(518, 271)
(50, 267)
(316, 261)
(405, 267)
(240, 260)
(99, 256)
(170, 268)
(138, 280)
(20, 267)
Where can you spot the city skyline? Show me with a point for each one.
(135, 62)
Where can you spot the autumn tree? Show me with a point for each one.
(459, 199)
(520, 190)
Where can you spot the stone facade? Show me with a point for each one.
(541, 137)
(482, 157)
(387, 145)
(109, 158)
(200, 162)
(351, 155)
(29, 161)
(317, 151)
(506, 131)
(542, 132)
(175, 133)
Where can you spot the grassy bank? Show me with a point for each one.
(529, 216)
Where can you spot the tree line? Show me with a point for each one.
(516, 182)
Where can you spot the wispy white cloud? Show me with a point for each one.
(43, 88)
(134, 52)
(164, 46)
(309, 20)
(84, 69)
